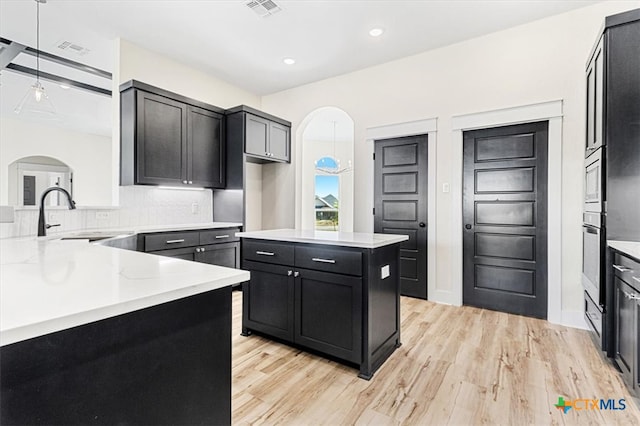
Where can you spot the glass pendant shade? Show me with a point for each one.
(331, 164)
(36, 103)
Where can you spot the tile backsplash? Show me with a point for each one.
(139, 205)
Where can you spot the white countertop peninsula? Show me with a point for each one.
(48, 285)
(344, 239)
(632, 248)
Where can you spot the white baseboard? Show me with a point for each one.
(574, 319)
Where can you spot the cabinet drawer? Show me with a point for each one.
(592, 315)
(627, 270)
(171, 240)
(267, 251)
(329, 260)
(215, 236)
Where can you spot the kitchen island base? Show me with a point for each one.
(339, 301)
(166, 364)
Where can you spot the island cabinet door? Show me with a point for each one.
(267, 300)
(328, 315)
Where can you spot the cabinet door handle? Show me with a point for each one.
(289, 273)
(184, 181)
(296, 274)
(190, 182)
(175, 241)
(317, 259)
(221, 236)
(197, 249)
(621, 268)
(265, 253)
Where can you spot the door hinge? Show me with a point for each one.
(374, 210)
(374, 156)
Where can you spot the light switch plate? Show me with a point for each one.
(445, 187)
(384, 272)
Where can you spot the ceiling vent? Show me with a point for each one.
(71, 47)
(263, 8)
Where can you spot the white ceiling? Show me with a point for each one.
(227, 39)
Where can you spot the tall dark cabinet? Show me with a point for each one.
(612, 165)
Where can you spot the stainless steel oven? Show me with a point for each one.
(593, 194)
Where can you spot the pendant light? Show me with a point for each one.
(331, 165)
(36, 102)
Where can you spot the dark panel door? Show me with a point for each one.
(401, 205)
(162, 143)
(28, 190)
(625, 328)
(205, 148)
(505, 219)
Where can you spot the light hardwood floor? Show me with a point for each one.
(457, 365)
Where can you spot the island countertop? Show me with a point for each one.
(345, 239)
(52, 285)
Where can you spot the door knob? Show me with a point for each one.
(422, 224)
(467, 226)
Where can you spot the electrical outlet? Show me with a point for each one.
(102, 215)
(445, 187)
(195, 208)
(53, 217)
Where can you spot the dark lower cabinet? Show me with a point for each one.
(626, 316)
(216, 247)
(268, 304)
(168, 364)
(626, 330)
(342, 302)
(329, 313)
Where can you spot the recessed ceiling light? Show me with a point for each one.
(376, 32)
(289, 61)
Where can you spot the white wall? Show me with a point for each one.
(536, 62)
(85, 154)
(134, 62)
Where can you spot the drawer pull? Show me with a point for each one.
(175, 241)
(296, 274)
(317, 259)
(289, 273)
(621, 268)
(221, 236)
(265, 253)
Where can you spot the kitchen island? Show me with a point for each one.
(335, 293)
(98, 335)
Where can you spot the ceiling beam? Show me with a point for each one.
(57, 79)
(52, 58)
(9, 51)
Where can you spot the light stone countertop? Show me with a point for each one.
(632, 248)
(48, 285)
(345, 239)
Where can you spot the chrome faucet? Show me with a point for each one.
(42, 226)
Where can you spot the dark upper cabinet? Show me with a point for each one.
(167, 139)
(205, 148)
(595, 82)
(622, 125)
(265, 138)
